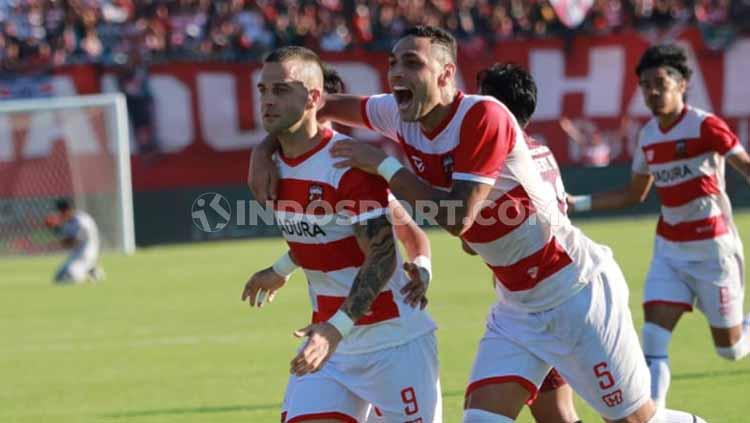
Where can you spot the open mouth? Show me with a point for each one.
(403, 97)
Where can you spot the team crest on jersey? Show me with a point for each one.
(650, 155)
(448, 164)
(315, 193)
(680, 149)
(418, 163)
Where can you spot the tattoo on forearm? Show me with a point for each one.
(377, 269)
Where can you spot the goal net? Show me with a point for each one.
(77, 148)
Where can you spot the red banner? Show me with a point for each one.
(206, 113)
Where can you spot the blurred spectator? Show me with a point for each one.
(362, 24)
(36, 34)
(594, 148)
(714, 21)
(712, 12)
(255, 36)
(132, 80)
(605, 16)
(740, 13)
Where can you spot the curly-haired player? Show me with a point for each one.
(698, 255)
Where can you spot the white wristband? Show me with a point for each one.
(284, 266)
(581, 203)
(342, 322)
(424, 264)
(389, 167)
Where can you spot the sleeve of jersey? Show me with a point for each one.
(716, 132)
(487, 136)
(380, 114)
(362, 196)
(71, 229)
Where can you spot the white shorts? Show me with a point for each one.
(717, 286)
(589, 339)
(402, 382)
(75, 268)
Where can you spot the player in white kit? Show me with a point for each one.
(562, 300)
(366, 345)
(409, 234)
(515, 88)
(80, 234)
(698, 255)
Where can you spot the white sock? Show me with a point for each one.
(737, 351)
(656, 349)
(473, 415)
(664, 415)
(742, 348)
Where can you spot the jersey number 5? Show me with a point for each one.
(606, 380)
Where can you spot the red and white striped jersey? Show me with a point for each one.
(316, 208)
(549, 169)
(537, 257)
(687, 161)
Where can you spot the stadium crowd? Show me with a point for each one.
(39, 33)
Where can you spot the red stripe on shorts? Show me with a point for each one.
(320, 416)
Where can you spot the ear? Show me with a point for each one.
(314, 98)
(447, 75)
(682, 85)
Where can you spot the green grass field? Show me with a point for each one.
(166, 339)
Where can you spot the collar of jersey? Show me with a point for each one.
(327, 135)
(446, 120)
(675, 123)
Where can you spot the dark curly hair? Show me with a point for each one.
(513, 86)
(669, 55)
(63, 204)
(332, 82)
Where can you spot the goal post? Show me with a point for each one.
(64, 147)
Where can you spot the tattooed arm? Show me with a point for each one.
(375, 238)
